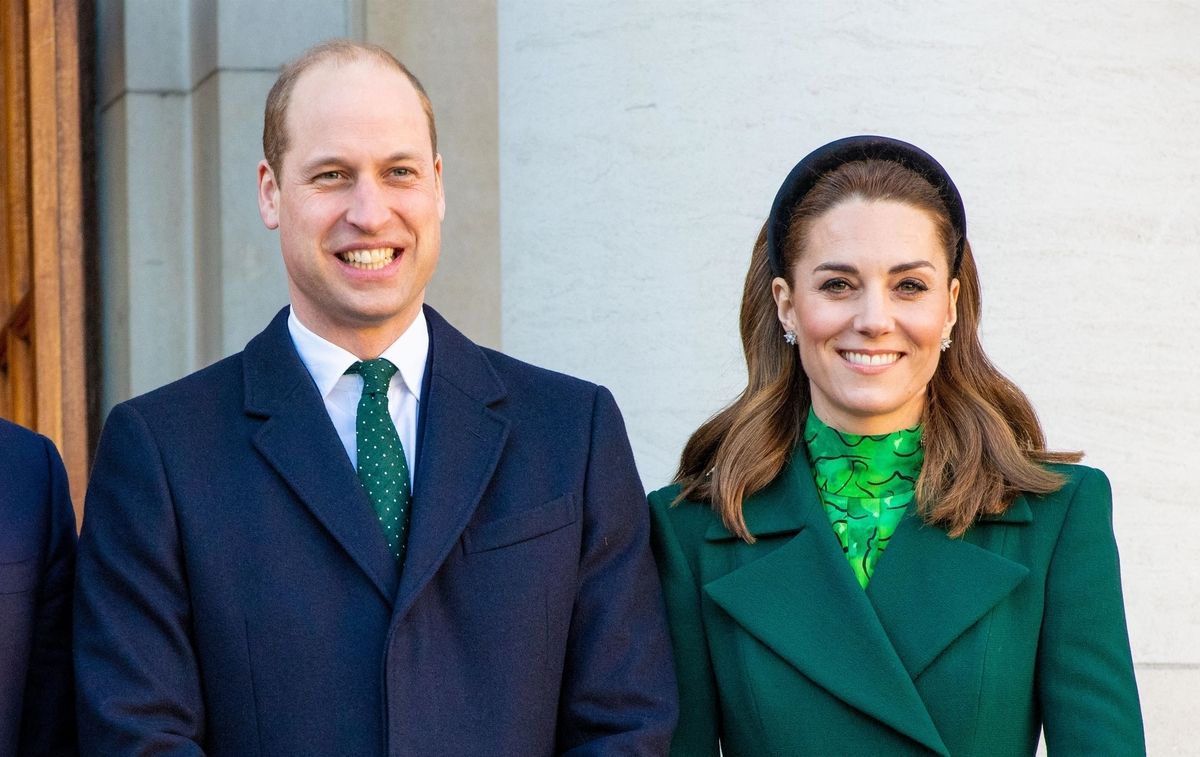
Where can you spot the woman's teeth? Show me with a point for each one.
(861, 358)
(368, 259)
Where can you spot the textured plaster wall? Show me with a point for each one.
(641, 145)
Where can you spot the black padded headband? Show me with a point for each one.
(866, 147)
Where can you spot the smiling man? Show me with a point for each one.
(365, 534)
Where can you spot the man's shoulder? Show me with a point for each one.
(18, 440)
(28, 464)
(461, 361)
(203, 389)
(552, 401)
(24, 456)
(269, 358)
(520, 375)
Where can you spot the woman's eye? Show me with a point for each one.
(836, 286)
(912, 286)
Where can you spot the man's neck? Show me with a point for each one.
(365, 342)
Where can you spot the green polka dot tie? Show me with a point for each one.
(382, 467)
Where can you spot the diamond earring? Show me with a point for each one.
(789, 336)
(946, 341)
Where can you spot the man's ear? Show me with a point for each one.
(268, 195)
(441, 190)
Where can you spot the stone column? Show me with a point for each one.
(188, 272)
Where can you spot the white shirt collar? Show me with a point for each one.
(327, 363)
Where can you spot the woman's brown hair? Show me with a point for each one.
(983, 442)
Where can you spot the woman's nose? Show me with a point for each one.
(875, 315)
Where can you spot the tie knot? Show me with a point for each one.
(377, 374)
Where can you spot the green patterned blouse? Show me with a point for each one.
(866, 483)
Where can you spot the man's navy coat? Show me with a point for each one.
(37, 562)
(236, 595)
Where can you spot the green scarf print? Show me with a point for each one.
(866, 484)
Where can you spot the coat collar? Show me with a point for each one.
(1018, 512)
(781, 508)
(464, 436)
(797, 596)
(928, 589)
(298, 440)
(461, 446)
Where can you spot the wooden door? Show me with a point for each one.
(42, 326)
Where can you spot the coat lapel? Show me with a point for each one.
(801, 600)
(460, 448)
(298, 440)
(928, 589)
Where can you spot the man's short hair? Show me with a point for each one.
(275, 136)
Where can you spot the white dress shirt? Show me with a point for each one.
(327, 363)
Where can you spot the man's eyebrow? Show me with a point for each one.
(324, 161)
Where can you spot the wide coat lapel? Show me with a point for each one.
(298, 440)
(929, 589)
(801, 600)
(461, 445)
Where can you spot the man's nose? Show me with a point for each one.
(368, 209)
(875, 315)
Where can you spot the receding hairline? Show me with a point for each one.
(337, 52)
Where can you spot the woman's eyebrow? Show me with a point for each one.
(838, 267)
(898, 268)
(901, 268)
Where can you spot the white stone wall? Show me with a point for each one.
(641, 144)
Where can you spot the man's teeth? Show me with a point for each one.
(861, 358)
(368, 259)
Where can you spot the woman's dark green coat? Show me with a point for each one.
(957, 647)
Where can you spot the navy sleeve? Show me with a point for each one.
(138, 680)
(48, 717)
(618, 691)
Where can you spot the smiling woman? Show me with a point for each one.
(871, 550)
(872, 302)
